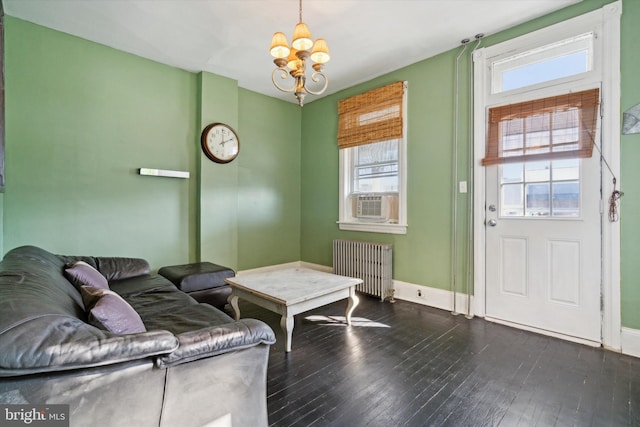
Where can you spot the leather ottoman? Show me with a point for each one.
(203, 281)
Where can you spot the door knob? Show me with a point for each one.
(492, 222)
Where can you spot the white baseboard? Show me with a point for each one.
(294, 264)
(318, 267)
(432, 297)
(630, 341)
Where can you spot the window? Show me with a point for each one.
(556, 127)
(375, 167)
(540, 189)
(554, 61)
(371, 138)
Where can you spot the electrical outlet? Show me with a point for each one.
(463, 186)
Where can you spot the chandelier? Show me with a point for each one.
(293, 60)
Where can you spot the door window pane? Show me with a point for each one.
(566, 199)
(537, 171)
(566, 169)
(537, 199)
(537, 133)
(511, 172)
(511, 200)
(540, 189)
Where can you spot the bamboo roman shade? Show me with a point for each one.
(557, 127)
(372, 116)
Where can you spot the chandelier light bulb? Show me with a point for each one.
(302, 37)
(320, 52)
(293, 62)
(279, 46)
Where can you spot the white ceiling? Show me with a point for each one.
(231, 38)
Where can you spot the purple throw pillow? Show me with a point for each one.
(109, 311)
(82, 274)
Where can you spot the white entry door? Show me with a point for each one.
(543, 246)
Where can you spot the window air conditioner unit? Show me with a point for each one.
(371, 206)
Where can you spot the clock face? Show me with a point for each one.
(220, 143)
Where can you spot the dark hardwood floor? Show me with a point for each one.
(405, 364)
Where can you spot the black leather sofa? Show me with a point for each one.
(193, 366)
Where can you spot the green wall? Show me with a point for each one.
(423, 255)
(218, 202)
(430, 132)
(269, 198)
(82, 118)
(630, 172)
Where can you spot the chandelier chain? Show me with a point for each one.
(300, 11)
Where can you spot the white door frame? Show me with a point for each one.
(607, 20)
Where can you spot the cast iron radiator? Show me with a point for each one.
(371, 262)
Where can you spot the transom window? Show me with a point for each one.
(554, 61)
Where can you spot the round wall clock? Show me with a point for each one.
(220, 143)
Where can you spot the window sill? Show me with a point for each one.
(373, 227)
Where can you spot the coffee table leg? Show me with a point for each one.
(353, 303)
(233, 302)
(286, 323)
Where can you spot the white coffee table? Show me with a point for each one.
(291, 291)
